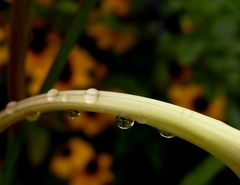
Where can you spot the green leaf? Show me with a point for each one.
(204, 173)
(71, 37)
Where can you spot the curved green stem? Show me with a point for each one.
(212, 135)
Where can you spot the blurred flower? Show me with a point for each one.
(107, 38)
(116, 7)
(81, 70)
(84, 71)
(192, 97)
(91, 123)
(98, 172)
(179, 72)
(43, 49)
(72, 158)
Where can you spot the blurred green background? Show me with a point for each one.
(183, 52)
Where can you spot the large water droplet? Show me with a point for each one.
(33, 116)
(165, 134)
(52, 94)
(73, 114)
(11, 107)
(91, 95)
(124, 123)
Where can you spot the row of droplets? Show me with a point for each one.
(122, 122)
(12, 106)
(90, 96)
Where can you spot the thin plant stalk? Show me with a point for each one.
(214, 136)
(20, 31)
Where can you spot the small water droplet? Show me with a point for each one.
(33, 116)
(11, 107)
(165, 134)
(124, 123)
(91, 95)
(64, 98)
(73, 114)
(52, 94)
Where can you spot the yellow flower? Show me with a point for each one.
(90, 123)
(72, 158)
(106, 38)
(98, 172)
(192, 97)
(84, 70)
(179, 72)
(40, 57)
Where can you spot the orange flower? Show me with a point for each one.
(116, 7)
(192, 97)
(179, 72)
(86, 71)
(41, 57)
(98, 172)
(106, 38)
(90, 123)
(72, 158)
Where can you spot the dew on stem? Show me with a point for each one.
(52, 94)
(73, 114)
(166, 134)
(11, 107)
(91, 95)
(124, 123)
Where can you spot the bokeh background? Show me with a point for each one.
(183, 52)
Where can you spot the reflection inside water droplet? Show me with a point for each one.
(52, 94)
(73, 114)
(165, 134)
(91, 95)
(11, 107)
(33, 116)
(124, 123)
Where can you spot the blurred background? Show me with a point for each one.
(183, 52)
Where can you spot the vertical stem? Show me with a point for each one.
(20, 29)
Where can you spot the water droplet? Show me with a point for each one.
(52, 94)
(124, 123)
(72, 114)
(64, 98)
(91, 95)
(11, 107)
(165, 134)
(33, 116)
